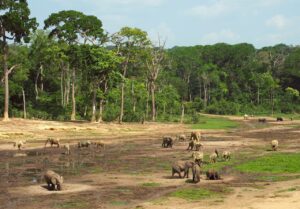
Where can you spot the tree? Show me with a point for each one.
(15, 25)
(129, 43)
(74, 28)
(101, 62)
(154, 65)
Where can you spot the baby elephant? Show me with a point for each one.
(19, 144)
(212, 175)
(53, 180)
(279, 119)
(167, 142)
(99, 144)
(262, 120)
(196, 173)
(182, 166)
(52, 141)
(67, 149)
(84, 144)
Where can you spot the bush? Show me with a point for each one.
(223, 108)
(133, 116)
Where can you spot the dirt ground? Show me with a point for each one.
(133, 170)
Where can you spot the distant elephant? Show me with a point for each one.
(52, 141)
(212, 175)
(84, 144)
(167, 142)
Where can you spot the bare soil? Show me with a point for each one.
(121, 175)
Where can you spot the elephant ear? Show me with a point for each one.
(53, 181)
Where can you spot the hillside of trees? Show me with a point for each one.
(73, 70)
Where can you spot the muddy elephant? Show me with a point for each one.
(196, 173)
(212, 175)
(182, 166)
(167, 142)
(84, 144)
(54, 181)
(52, 141)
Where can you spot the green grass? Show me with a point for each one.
(151, 184)
(274, 163)
(274, 178)
(220, 164)
(214, 123)
(194, 194)
(292, 189)
(118, 203)
(72, 204)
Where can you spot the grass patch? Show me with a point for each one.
(274, 163)
(276, 178)
(214, 123)
(292, 189)
(151, 184)
(119, 203)
(194, 194)
(220, 164)
(72, 204)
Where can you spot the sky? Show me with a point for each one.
(191, 22)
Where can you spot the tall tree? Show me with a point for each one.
(154, 65)
(129, 42)
(74, 28)
(15, 25)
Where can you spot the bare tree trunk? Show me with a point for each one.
(94, 107)
(62, 87)
(122, 102)
(182, 113)
(68, 84)
(100, 119)
(5, 69)
(122, 91)
(36, 86)
(24, 104)
(73, 115)
(205, 94)
(85, 110)
(42, 79)
(133, 97)
(152, 89)
(200, 89)
(147, 102)
(258, 96)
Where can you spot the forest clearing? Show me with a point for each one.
(149, 104)
(134, 171)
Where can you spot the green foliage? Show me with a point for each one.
(273, 163)
(223, 108)
(70, 25)
(16, 21)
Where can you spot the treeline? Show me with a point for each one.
(72, 69)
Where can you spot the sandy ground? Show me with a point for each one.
(113, 177)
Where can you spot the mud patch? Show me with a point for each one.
(37, 190)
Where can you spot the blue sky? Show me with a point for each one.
(191, 22)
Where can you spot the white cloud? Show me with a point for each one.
(225, 35)
(277, 21)
(134, 3)
(215, 8)
(209, 10)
